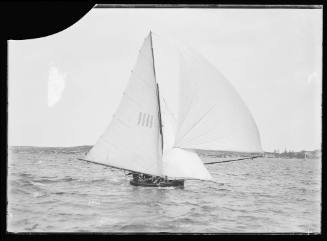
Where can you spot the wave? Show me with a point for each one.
(46, 180)
(57, 192)
(96, 180)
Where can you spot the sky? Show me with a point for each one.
(64, 88)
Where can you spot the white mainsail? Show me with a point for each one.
(132, 140)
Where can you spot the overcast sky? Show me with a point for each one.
(64, 88)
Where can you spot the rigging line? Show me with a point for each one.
(187, 111)
(168, 110)
(201, 135)
(195, 124)
(197, 138)
(233, 160)
(106, 165)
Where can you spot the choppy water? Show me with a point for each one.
(51, 191)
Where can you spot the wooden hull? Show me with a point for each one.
(169, 183)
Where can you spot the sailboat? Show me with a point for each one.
(212, 116)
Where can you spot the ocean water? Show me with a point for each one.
(50, 191)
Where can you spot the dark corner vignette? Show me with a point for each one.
(27, 20)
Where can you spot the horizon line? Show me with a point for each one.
(200, 150)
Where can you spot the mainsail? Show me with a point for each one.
(132, 140)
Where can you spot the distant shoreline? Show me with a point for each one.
(49, 146)
(223, 154)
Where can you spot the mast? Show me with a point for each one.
(158, 96)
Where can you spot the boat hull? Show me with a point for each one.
(169, 183)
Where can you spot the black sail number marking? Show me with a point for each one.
(145, 120)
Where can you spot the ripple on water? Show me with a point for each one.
(55, 193)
